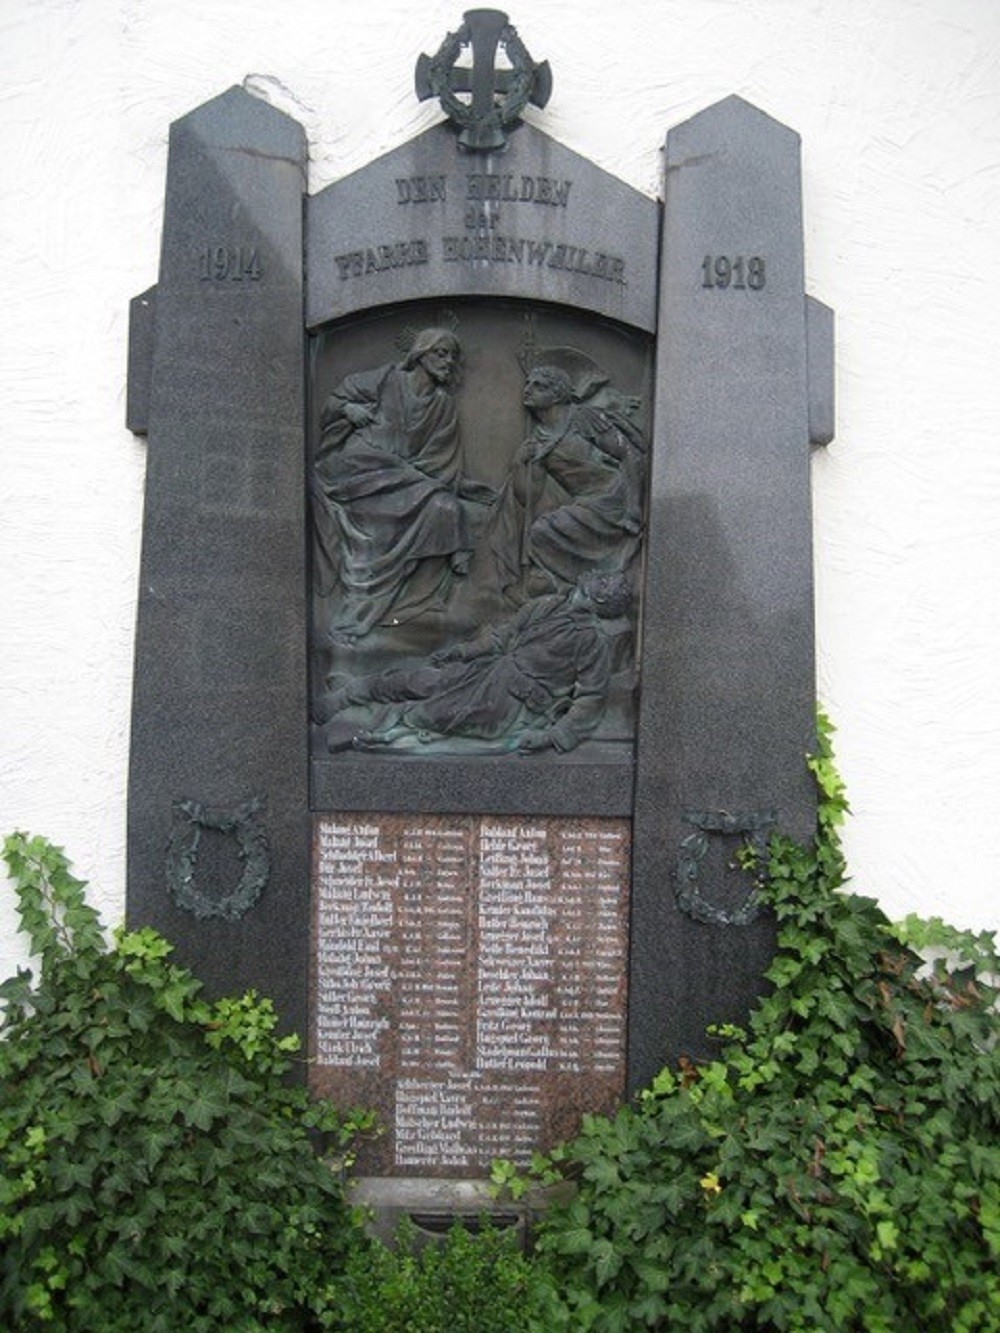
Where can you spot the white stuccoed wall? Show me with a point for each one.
(898, 105)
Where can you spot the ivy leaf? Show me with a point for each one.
(603, 1173)
(887, 1233)
(607, 1261)
(575, 1240)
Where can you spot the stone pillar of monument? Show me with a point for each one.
(728, 680)
(218, 804)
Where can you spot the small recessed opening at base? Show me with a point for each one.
(439, 1224)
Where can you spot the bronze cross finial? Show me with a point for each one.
(497, 96)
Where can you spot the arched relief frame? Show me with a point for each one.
(517, 255)
(500, 341)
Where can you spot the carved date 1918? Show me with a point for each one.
(229, 263)
(719, 271)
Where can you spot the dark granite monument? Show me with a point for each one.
(452, 707)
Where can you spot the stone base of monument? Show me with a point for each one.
(433, 1205)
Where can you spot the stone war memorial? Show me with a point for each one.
(475, 628)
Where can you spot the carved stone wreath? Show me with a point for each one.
(191, 818)
(756, 827)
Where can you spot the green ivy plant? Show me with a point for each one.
(157, 1169)
(473, 1282)
(837, 1167)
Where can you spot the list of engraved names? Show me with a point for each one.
(469, 973)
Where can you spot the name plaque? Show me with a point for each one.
(468, 981)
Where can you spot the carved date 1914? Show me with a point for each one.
(738, 273)
(229, 263)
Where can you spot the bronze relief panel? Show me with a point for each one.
(477, 488)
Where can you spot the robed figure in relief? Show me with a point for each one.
(394, 516)
(573, 498)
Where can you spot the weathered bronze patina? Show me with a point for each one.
(478, 522)
(496, 96)
(393, 512)
(537, 681)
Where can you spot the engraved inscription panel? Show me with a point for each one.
(469, 981)
(429, 221)
(480, 196)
